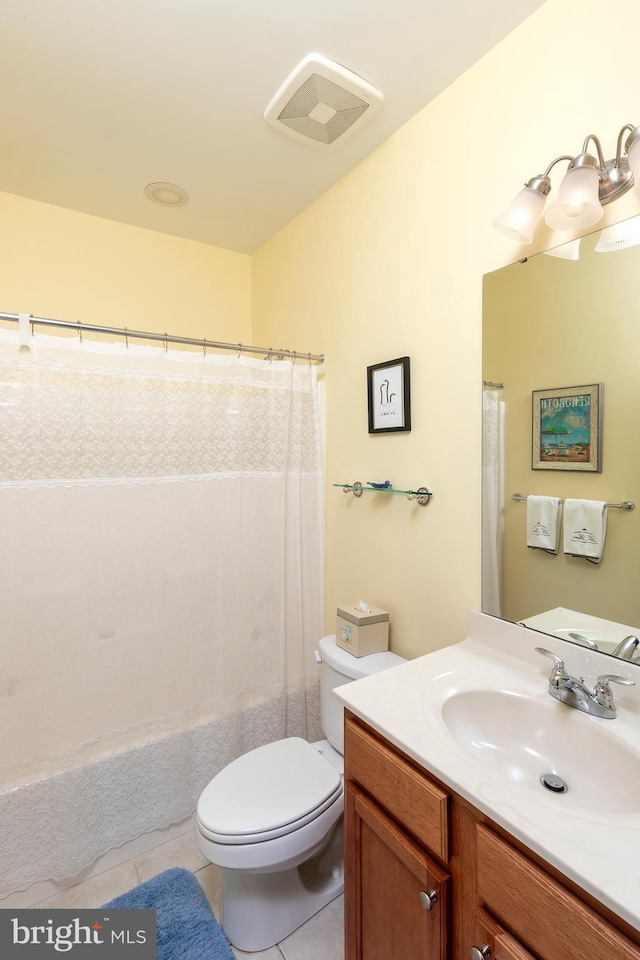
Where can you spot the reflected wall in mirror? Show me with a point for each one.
(551, 322)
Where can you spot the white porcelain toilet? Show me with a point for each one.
(272, 819)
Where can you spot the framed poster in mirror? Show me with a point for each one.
(567, 428)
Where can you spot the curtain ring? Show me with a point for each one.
(80, 331)
(309, 355)
(239, 351)
(126, 338)
(166, 342)
(204, 347)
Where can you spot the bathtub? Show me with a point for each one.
(60, 815)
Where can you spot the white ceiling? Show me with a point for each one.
(101, 97)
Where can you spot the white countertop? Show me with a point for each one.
(598, 849)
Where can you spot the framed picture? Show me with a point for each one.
(567, 429)
(389, 396)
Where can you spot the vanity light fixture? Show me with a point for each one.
(619, 236)
(566, 251)
(589, 184)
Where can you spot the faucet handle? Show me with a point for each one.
(559, 662)
(602, 691)
(608, 678)
(558, 675)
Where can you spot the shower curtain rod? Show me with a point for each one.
(166, 338)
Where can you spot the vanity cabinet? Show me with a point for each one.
(412, 843)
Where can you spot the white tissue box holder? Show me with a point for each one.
(362, 633)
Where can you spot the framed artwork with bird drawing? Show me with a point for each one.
(389, 396)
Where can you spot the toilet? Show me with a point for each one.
(272, 819)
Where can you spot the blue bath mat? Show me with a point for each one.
(186, 929)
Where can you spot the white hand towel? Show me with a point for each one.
(585, 527)
(543, 523)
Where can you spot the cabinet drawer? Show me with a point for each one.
(408, 795)
(502, 945)
(539, 911)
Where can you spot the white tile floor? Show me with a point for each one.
(321, 938)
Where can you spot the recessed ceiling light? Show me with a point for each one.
(167, 194)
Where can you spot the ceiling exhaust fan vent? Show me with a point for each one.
(322, 102)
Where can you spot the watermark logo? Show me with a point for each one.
(78, 934)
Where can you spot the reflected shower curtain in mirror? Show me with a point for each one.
(492, 499)
(162, 586)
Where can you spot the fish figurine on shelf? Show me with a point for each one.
(384, 485)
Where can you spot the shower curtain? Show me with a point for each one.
(492, 500)
(161, 580)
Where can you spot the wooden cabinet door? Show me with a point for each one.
(389, 882)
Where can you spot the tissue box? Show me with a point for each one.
(362, 633)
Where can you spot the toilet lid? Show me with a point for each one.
(268, 792)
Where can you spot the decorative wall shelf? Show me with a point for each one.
(422, 495)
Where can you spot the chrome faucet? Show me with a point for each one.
(574, 692)
(626, 649)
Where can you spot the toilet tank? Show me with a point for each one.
(338, 667)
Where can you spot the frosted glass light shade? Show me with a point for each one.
(567, 251)
(633, 156)
(520, 219)
(577, 204)
(619, 236)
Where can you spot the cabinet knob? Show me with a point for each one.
(481, 953)
(428, 899)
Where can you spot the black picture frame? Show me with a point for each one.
(389, 396)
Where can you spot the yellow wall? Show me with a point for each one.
(556, 323)
(70, 266)
(389, 262)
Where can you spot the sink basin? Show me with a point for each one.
(524, 738)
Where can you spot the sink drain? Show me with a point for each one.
(554, 783)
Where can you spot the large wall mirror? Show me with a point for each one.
(551, 322)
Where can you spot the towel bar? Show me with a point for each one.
(626, 505)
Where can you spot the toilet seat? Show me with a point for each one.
(267, 793)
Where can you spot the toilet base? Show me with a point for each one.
(261, 909)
